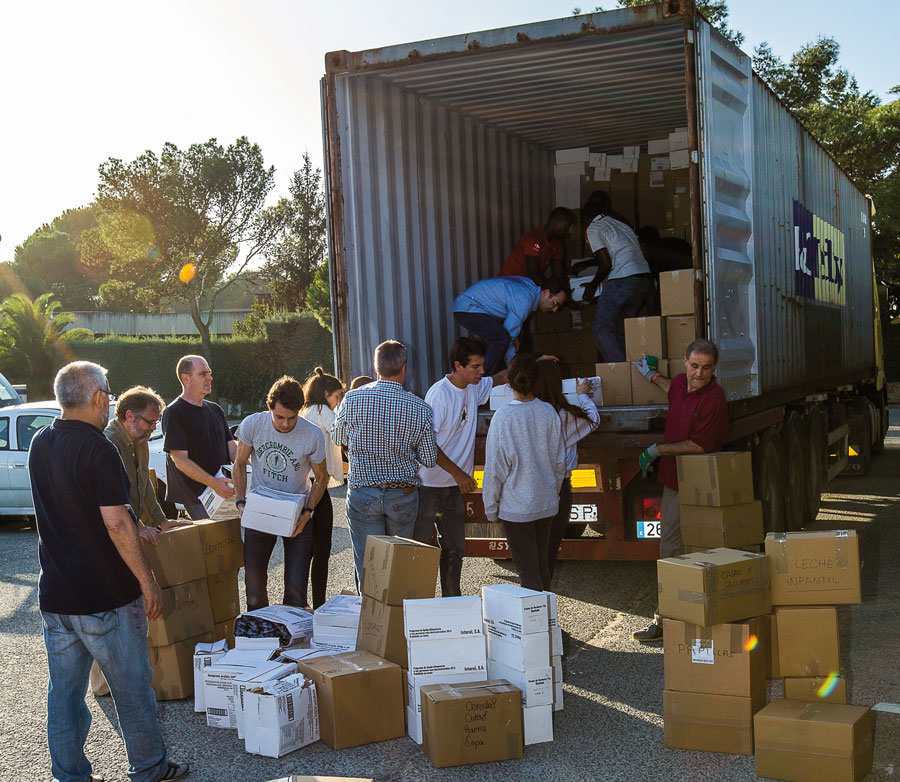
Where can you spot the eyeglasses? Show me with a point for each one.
(107, 391)
(152, 424)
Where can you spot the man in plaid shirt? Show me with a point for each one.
(388, 433)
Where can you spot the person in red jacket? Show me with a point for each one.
(697, 422)
(542, 247)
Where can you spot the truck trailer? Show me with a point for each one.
(440, 154)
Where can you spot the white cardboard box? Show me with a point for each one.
(558, 696)
(295, 655)
(447, 656)
(629, 165)
(414, 725)
(205, 654)
(578, 168)
(680, 158)
(536, 685)
(209, 499)
(568, 191)
(631, 152)
(678, 140)
(597, 159)
(281, 716)
(538, 724)
(574, 155)
(602, 173)
(275, 512)
(570, 385)
(514, 611)
(296, 621)
(442, 617)
(272, 671)
(415, 683)
(217, 686)
(614, 161)
(532, 651)
(658, 146)
(556, 665)
(242, 642)
(556, 642)
(502, 394)
(335, 623)
(552, 610)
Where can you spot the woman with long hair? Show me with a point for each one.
(524, 467)
(577, 422)
(323, 394)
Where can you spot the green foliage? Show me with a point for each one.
(318, 296)
(253, 323)
(35, 340)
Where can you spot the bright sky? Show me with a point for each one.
(84, 81)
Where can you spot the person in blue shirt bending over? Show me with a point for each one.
(495, 310)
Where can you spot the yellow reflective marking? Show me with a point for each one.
(853, 451)
(479, 478)
(584, 479)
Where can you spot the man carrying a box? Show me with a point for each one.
(542, 247)
(697, 422)
(282, 447)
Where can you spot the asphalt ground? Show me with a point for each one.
(611, 727)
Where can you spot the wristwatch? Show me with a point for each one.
(307, 508)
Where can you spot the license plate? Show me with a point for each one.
(648, 529)
(583, 512)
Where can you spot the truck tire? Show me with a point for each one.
(881, 424)
(817, 442)
(769, 475)
(796, 453)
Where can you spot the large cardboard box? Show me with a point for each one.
(615, 382)
(808, 640)
(269, 672)
(224, 596)
(472, 723)
(536, 684)
(545, 343)
(530, 652)
(733, 526)
(578, 347)
(178, 558)
(811, 742)
(223, 548)
(643, 392)
(225, 630)
(645, 337)
(713, 587)
(186, 613)
(724, 478)
(173, 668)
(513, 611)
(442, 617)
(818, 689)
(538, 722)
(360, 698)
(553, 322)
(414, 685)
(769, 642)
(447, 656)
(676, 292)
(206, 653)
(380, 631)
(398, 569)
(711, 723)
(681, 331)
(816, 567)
(280, 716)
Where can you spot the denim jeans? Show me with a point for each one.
(443, 506)
(375, 510)
(528, 542)
(619, 299)
(258, 547)
(494, 334)
(117, 640)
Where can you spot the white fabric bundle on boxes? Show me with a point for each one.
(281, 716)
(272, 511)
(271, 671)
(205, 654)
(336, 622)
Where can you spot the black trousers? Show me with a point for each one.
(323, 524)
(528, 542)
(560, 522)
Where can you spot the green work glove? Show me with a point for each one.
(647, 369)
(652, 362)
(647, 458)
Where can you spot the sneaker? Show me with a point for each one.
(652, 633)
(175, 771)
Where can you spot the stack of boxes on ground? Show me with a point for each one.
(335, 624)
(197, 568)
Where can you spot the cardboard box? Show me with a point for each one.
(442, 617)
(676, 294)
(538, 724)
(574, 155)
(725, 659)
(178, 559)
(380, 631)
(269, 672)
(769, 638)
(713, 587)
(615, 382)
(816, 567)
(447, 656)
(209, 499)
(577, 347)
(206, 653)
(281, 716)
(644, 392)
(474, 723)
(530, 652)
(414, 685)
(360, 698)
(414, 725)
(186, 613)
(225, 630)
(173, 668)
(558, 701)
(336, 622)
(724, 478)
(224, 597)
(808, 640)
(398, 569)
(678, 140)
(545, 343)
(810, 742)
(218, 679)
(513, 611)
(681, 331)
(645, 337)
(570, 386)
(536, 685)
(732, 526)
(553, 322)
(710, 723)
(223, 548)
(818, 689)
(272, 511)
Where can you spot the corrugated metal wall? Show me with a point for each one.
(802, 339)
(433, 201)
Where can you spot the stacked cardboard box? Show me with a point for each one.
(336, 623)
(281, 716)
(223, 553)
(556, 650)
(219, 679)
(517, 625)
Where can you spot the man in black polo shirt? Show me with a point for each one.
(96, 589)
(197, 440)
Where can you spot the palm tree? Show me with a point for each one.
(33, 340)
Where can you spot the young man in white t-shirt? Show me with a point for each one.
(454, 399)
(622, 269)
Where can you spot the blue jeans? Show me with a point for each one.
(619, 299)
(374, 510)
(494, 334)
(258, 547)
(117, 640)
(443, 506)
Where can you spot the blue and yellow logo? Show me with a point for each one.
(818, 258)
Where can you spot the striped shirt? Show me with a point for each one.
(388, 433)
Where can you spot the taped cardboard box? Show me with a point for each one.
(223, 549)
(816, 567)
(360, 698)
(732, 526)
(713, 587)
(615, 381)
(224, 597)
(818, 689)
(676, 292)
(645, 337)
(473, 723)
(281, 716)
(513, 611)
(681, 331)
(808, 640)
(724, 478)
(178, 559)
(447, 656)
(206, 653)
(769, 642)
(380, 631)
(811, 742)
(173, 668)
(414, 685)
(711, 723)
(398, 569)
(577, 347)
(186, 613)
(643, 392)
(725, 659)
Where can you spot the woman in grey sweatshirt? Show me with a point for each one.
(525, 463)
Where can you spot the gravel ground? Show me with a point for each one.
(611, 727)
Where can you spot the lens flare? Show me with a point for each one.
(751, 643)
(828, 686)
(187, 273)
(153, 253)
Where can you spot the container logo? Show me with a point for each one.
(818, 258)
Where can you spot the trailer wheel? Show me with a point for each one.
(796, 452)
(881, 425)
(818, 460)
(769, 474)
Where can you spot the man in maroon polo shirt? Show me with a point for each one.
(697, 422)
